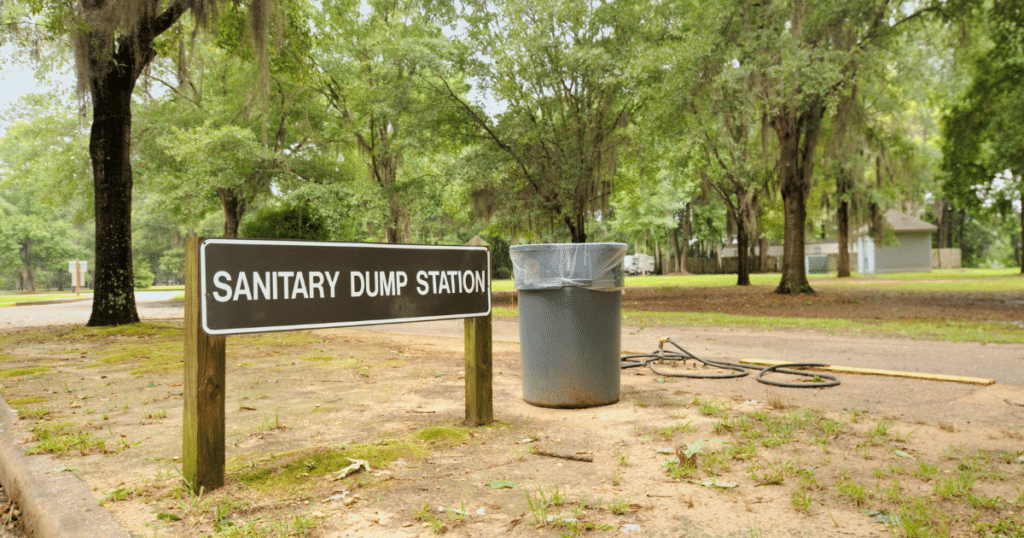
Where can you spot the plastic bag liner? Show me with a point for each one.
(549, 266)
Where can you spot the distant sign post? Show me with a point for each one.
(235, 286)
(77, 270)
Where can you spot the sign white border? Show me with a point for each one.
(327, 244)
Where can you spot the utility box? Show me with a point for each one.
(570, 308)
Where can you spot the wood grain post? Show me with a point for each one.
(479, 394)
(203, 423)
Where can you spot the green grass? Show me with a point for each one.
(947, 330)
(65, 440)
(10, 299)
(925, 329)
(18, 372)
(937, 280)
(294, 469)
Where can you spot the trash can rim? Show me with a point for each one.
(546, 246)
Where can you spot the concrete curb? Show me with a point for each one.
(54, 503)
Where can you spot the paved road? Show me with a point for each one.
(1002, 362)
(150, 304)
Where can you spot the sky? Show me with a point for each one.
(17, 78)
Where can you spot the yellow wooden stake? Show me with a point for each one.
(887, 373)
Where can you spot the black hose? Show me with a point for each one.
(660, 355)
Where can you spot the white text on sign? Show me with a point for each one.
(274, 285)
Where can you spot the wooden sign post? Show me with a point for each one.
(246, 286)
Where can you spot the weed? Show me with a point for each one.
(669, 432)
(775, 402)
(63, 439)
(920, 519)
(926, 470)
(894, 492)
(619, 506)
(153, 415)
(711, 407)
(880, 433)
(34, 414)
(120, 494)
(773, 473)
(1012, 527)
(742, 451)
(293, 527)
(740, 423)
(801, 499)
(955, 486)
(982, 500)
(538, 507)
(622, 458)
(856, 491)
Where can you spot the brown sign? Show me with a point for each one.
(250, 285)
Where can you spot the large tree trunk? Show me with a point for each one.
(798, 138)
(110, 150)
(113, 68)
(843, 223)
(234, 210)
(944, 212)
(28, 275)
(577, 227)
(743, 259)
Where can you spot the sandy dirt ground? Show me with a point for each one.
(395, 394)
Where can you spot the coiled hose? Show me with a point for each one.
(660, 356)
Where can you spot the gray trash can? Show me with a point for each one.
(570, 304)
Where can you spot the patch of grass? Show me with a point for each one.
(1012, 527)
(921, 519)
(148, 358)
(771, 473)
(926, 470)
(318, 358)
(120, 494)
(262, 527)
(856, 491)
(34, 414)
(293, 469)
(503, 312)
(65, 439)
(668, 432)
(958, 485)
(19, 372)
(279, 339)
(442, 435)
(144, 329)
(27, 400)
(947, 330)
(801, 499)
(712, 408)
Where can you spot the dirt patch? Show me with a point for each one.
(831, 303)
(673, 457)
(826, 302)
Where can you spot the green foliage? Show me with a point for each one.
(143, 277)
(288, 221)
(570, 92)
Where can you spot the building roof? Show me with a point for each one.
(902, 222)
